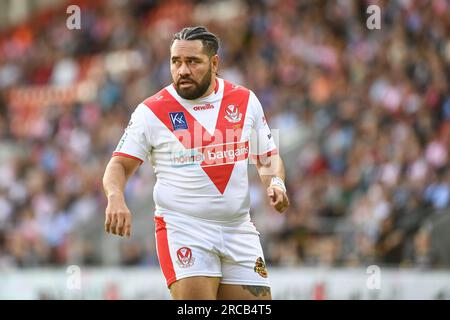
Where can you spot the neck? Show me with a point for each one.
(211, 88)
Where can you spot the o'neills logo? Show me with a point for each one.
(205, 107)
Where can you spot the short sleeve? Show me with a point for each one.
(262, 143)
(135, 142)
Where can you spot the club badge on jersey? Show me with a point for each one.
(232, 114)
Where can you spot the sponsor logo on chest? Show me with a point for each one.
(212, 155)
(178, 120)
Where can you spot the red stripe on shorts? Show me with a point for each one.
(163, 251)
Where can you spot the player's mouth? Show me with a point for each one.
(185, 83)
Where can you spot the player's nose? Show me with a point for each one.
(184, 71)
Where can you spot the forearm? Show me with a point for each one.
(273, 167)
(114, 180)
(272, 175)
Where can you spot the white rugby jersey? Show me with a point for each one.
(199, 149)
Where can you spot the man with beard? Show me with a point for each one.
(199, 133)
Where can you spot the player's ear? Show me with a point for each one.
(215, 63)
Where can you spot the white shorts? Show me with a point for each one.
(189, 246)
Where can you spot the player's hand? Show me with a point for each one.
(118, 218)
(278, 199)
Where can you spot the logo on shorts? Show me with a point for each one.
(260, 267)
(185, 258)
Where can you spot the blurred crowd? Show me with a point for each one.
(368, 179)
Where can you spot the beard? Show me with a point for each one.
(196, 90)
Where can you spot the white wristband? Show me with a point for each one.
(278, 182)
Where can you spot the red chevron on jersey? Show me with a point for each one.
(220, 150)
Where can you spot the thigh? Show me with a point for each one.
(195, 288)
(185, 249)
(243, 264)
(243, 292)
